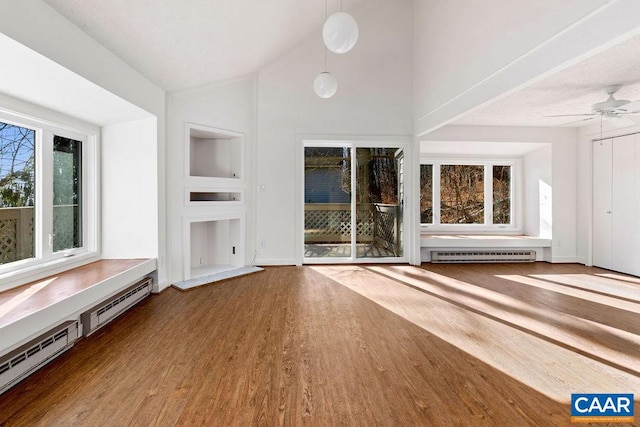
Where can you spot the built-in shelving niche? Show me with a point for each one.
(214, 153)
(213, 245)
(205, 197)
(214, 229)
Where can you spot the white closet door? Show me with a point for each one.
(624, 204)
(602, 204)
(635, 235)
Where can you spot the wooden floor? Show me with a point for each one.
(493, 345)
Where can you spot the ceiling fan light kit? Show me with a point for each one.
(611, 110)
(340, 35)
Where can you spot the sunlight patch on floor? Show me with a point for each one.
(603, 285)
(573, 292)
(545, 366)
(9, 305)
(621, 277)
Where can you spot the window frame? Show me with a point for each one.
(514, 227)
(46, 124)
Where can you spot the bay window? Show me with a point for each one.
(47, 211)
(468, 195)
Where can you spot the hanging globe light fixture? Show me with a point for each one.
(325, 85)
(340, 32)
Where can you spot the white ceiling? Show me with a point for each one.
(186, 43)
(570, 91)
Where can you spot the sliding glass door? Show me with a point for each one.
(353, 203)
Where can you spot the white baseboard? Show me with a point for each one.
(564, 260)
(275, 261)
(582, 260)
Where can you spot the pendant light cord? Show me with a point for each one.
(326, 15)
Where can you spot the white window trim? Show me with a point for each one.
(47, 123)
(516, 197)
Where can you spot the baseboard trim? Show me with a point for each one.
(564, 260)
(275, 261)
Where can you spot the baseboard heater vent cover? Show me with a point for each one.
(98, 316)
(21, 362)
(482, 256)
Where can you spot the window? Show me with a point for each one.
(17, 192)
(44, 214)
(467, 195)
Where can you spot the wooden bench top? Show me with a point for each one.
(25, 300)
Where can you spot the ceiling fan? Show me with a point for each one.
(619, 112)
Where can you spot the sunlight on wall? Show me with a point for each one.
(546, 220)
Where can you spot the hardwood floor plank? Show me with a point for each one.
(344, 345)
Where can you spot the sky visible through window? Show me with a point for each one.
(17, 166)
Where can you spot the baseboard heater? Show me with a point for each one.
(21, 362)
(482, 256)
(98, 316)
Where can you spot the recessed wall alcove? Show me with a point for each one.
(213, 153)
(213, 244)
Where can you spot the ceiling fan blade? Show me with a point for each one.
(626, 113)
(573, 115)
(634, 105)
(577, 121)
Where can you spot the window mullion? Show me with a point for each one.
(46, 194)
(488, 194)
(436, 193)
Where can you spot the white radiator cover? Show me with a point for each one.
(101, 314)
(470, 256)
(21, 362)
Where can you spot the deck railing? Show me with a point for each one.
(16, 233)
(331, 223)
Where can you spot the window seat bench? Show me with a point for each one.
(30, 309)
(429, 242)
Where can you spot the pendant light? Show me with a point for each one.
(325, 85)
(340, 32)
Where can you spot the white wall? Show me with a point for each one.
(37, 26)
(469, 52)
(226, 105)
(373, 99)
(537, 220)
(129, 196)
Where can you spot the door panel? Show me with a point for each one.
(602, 203)
(327, 202)
(378, 203)
(624, 210)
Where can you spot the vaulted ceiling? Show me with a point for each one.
(180, 44)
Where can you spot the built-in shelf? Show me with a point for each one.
(214, 227)
(203, 197)
(213, 152)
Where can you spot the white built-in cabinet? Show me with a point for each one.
(616, 204)
(214, 219)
